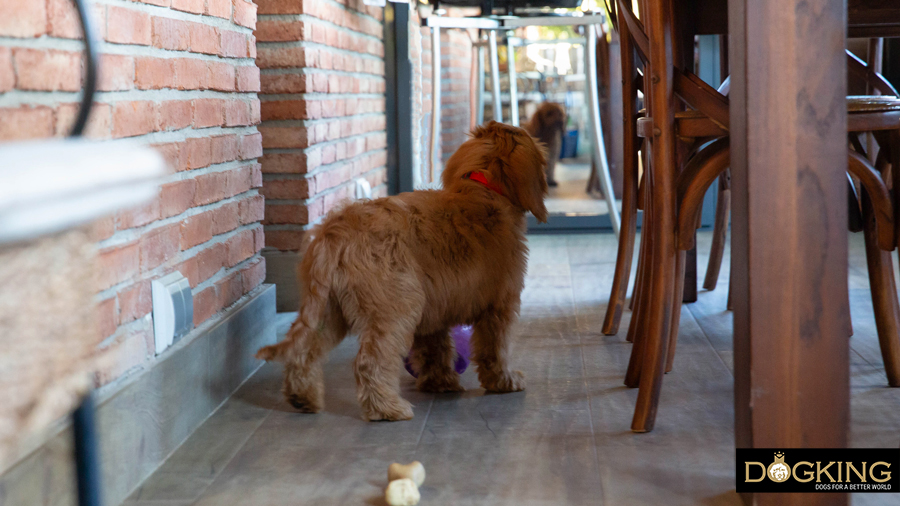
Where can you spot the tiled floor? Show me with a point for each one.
(565, 440)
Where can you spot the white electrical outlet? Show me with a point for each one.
(363, 189)
(173, 309)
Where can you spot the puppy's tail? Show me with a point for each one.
(315, 273)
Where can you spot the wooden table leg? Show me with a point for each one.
(788, 136)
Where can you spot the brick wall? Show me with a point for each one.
(456, 73)
(175, 74)
(322, 66)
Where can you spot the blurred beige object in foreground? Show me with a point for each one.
(48, 190)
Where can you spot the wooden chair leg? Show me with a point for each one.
(884, 296)
(676, 309)
(636, 329)
(720, 231)
(628, 228)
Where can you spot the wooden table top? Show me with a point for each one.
(866, 18)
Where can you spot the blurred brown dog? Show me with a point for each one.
(401, 271)
(548, 125)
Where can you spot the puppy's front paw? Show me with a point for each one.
(440, 384)
(394, 411)
(511, 381)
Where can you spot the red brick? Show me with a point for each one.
(198, 151)
(237, 181)
(138, 216)
(177, 197)
(107, 318)
(285, 57)
(288, 83)
(285, 240)
(206, 304)
(116, 73)
(159, 245)
(174, 155)
(63, 19)
(254, 275)
(237, 113)
(189, 269)
(271, 30)
(135, 302)
(195, 6)
(134, 118)
(175, 114)
(225, 148)
(251, 46)
(208, 112)
(221, 76)
(286, 188)
(26, 123)
(191, 74)
(47, 70)
(210, 188)
(251, 146)
(282, 7)
(284, 137)
(225, 218)
(231, 288)
(23, 18)
(204, 39)
(285, 163)
(277, 214)
(252, 210)
(240, 247)
(218, 8)
(98, 16)
(245, 13)
(285, 109)
(98, 122)
(171, 34)
(154, 73)
(103, 228)
(160, 3)
(196, 230)
(7, 72)
(116, 264)
(256, 179)
(210, 261)
(233, 44)
(128, 26)
(248, 78)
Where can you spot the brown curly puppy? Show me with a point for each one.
(548, 125)
(401, 271)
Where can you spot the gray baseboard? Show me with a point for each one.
(281, 271)
(142, 421)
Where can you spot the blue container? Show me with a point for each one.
(569, 144)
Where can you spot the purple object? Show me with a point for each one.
(461, 335)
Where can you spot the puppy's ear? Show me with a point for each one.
(521, 172)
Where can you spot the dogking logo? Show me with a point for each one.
(778, 470)
(818, 470)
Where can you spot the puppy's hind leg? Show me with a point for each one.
(490, 345)
(432, 359)
(377, 368)
(302, 352)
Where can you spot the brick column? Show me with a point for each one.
(323, 118)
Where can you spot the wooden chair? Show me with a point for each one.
(680, 172)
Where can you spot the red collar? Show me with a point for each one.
(480, 178)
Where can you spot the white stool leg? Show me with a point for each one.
(594, 112)
(513, 83)
(495, 76)
(435, 103)
(479, 111)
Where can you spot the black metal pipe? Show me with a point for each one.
(90, 70)
(87, 461)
